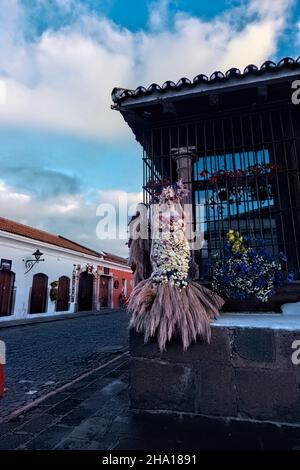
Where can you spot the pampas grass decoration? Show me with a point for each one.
(167, 304)
(136, 260)
(164, 311)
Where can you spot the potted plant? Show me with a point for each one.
(261, 191)
(222, 195)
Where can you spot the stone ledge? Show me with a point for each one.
(245, 373)
(273, 321)
(197, 352)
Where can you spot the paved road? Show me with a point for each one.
(85, 415)
(94, 414)
(43, 356)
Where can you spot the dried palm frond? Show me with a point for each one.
(165, 311)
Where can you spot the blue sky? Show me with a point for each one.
(63, 151)
(131, 14)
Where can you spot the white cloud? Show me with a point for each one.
(71, 216)
(10, 196)
(159, 14)
(62, 80)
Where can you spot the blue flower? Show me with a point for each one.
(254, 271)
(282, 257)
(260, 282)
(290, 278)
(260, 242)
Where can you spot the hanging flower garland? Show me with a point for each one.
(170, 253)
(169, 303)
(170, 258)
(231, 187)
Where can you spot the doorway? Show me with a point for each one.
(7, 280)
(104, 291)
(85, 291)
(63, 294)
(38, 298)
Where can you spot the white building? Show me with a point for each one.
(42, 274)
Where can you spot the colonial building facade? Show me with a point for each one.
(42, 274)
(234, 140)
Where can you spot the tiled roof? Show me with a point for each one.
(46, 237)
(120, 95)
(114, 258)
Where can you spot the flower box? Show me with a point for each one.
(251, 306)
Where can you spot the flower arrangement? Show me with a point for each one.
(246, 271)
(236, 241)
(221, 176)
(169, 303)
(170, 254)
(170, 258)
(165, 191)
(230, 187)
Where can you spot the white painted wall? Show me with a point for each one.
(58, 262)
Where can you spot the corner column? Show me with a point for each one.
(184, 160)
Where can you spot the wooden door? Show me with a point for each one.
(38, 299)
(63, 294)
(85, 291)
(7, 279)
(104, 280)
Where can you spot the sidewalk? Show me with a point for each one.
(93, 414)
(78, 417)
(63, 316)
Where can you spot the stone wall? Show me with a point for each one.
(245, 373)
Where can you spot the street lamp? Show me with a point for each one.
(29, 263)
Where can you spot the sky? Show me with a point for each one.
(63, 151)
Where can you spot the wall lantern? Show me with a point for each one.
(29, 263)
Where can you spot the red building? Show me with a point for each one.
(122, 278)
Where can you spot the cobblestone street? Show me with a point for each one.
(75, 373)
(80, 417)
(43, 356)
(93, 414)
